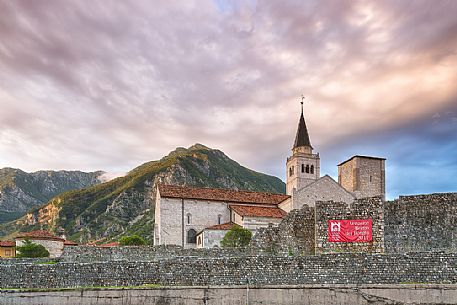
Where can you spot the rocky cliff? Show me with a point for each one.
(21, 191)
(125, 205)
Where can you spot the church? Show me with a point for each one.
(200, 217)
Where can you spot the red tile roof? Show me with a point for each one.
(69, 243)
(39, 235)
(113, 244)
(7, 243)
(173, 191)
(224, 226)
(253, 211)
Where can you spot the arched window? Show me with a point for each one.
(312, 169)
(291, 171)
(219, 219)
(191, 236)
(199, 240)
(303, 168)
(307, 168)
(189, 218)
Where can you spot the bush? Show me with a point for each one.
(133, 240)
(30, 249)
(236, 237)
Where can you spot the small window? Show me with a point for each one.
(312, 169)
(199, 242)
(370, 178)
(291, 171)
(189, 218)
(219, 219)
(191, 236)
(307, 168)
(303, 168)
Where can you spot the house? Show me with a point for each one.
(7, 249)
(52, 243)
(211, 237)
(182, 212)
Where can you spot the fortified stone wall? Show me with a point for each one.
(90, 254)
(411, 224)
(366, 208)
(337, 268)
(294, 235)
(421, 223)
(305, 231)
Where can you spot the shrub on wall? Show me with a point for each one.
(30, 249)
(236, 237)
(133, 240)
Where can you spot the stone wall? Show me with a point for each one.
(90, 254)
(305, 231)
(421, 223)
(337, 268)
(366, 208)
(438, 294)
(294, 235)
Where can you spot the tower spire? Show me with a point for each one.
(302, 137)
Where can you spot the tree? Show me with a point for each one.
(236, 237)
(133, 240)
(30, 249)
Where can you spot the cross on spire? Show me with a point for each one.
(302, 137)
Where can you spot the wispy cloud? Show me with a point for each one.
(97, 85)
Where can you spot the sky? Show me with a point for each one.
(109, 85)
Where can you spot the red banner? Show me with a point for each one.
(350, 231)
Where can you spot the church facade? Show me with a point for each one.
(200, 217)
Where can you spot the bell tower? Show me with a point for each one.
(303, 167)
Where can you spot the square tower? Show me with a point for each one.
(364, 176)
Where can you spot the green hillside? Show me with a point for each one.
(125, 205)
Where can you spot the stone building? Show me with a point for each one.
(53, 244)
(364, 176)
(182, 213)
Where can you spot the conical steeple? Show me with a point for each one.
(303, 167)
(302, 137)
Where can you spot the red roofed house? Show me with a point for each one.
(52, 243)
(7, 249)
(182, 212)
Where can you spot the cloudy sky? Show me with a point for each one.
(111, 84)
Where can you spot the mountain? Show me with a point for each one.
(21, 191)
(125, 205)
